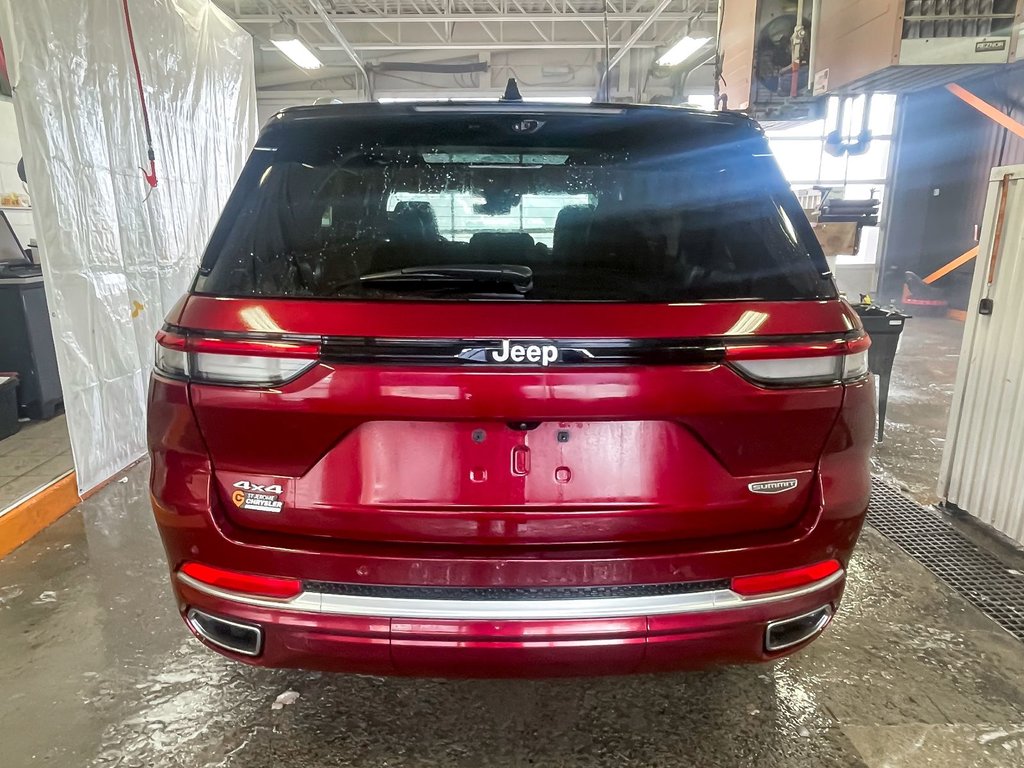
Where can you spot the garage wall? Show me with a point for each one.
(10, 154)
(945, 151)
(116, 254)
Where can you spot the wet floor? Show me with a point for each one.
(96, 669)
(920, 394)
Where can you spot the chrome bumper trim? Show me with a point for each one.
(511, 610)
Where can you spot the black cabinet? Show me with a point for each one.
(26, 346)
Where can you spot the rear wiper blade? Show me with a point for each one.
(515, 276)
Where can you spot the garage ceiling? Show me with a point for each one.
(554, 47)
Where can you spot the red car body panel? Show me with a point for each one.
(661, 528)
(389, 474)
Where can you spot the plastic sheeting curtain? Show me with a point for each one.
(114, 261)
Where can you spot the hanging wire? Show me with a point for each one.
(150, 175)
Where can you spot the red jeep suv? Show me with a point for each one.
(510, 390)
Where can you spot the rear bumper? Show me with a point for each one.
(389, 639)
(523, 638)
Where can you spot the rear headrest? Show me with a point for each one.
(616, 240)
(501, 247)
(413, 221)
(572, 230)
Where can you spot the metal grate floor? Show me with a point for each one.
(969, 570)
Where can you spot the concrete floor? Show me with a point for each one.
(919, 398)
(96, 669)
(38, 454)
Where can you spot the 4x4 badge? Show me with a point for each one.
(257, 498)
(773, 486)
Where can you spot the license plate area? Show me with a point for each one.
(554, 482)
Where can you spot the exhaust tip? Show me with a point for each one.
(234, 636)
(786, 633)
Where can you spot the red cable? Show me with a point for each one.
(151, 176)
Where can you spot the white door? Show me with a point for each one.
(983, 459)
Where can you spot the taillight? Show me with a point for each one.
(806, 364)
(247, 362)
(855, 364)
(246, 583)
(782, 581)
(170, 356)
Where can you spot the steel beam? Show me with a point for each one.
(470, 46)
(318, 6)
(434, 18)
(638, 33)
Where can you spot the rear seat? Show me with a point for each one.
(413, 223)
(413, 238)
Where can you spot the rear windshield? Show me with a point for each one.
(550, 208)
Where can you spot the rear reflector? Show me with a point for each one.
(246, 362)
(246, 583)
(814, 364)
(781, 581)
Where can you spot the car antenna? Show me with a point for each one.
(511, 91)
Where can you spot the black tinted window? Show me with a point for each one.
(603, 210)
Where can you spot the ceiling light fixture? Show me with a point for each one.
(682, 50)
(296, 50)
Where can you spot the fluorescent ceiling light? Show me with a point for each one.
(298, 52)
(701, 100)
(682, 50)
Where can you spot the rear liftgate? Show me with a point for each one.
(513, 442)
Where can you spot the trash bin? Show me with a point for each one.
(884, 326)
